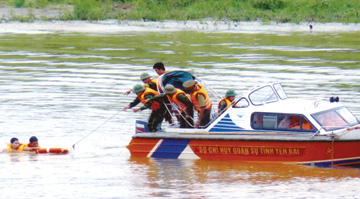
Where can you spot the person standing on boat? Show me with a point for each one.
(158, 108)
(159, 68)
(33, 145)
(182, 102)
(148, 82)
(201, 100)
(13, 146)
(227, 102)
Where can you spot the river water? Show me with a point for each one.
(61, 84)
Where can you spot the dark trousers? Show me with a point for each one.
(155, 120)
(205, 119)
(186, 123)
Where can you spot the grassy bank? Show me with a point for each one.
(294, 11)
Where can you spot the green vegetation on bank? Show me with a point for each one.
(294, 11)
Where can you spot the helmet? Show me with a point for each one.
(144, 76)
(169, 89)
(138, 88)
(189, 84)
(230, 93)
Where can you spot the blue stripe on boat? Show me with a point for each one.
(170, 148)
(335, 163)
(226, 125)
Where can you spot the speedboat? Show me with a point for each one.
(265, 126)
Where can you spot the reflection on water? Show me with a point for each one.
(61, 87)
(220, 179)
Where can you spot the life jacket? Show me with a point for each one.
(174, 99)
(228, 103)
(200, 91)
(154, 82)
(295, 122)
(155, 105)
(10, 149)
(307, 125)
(21, 148)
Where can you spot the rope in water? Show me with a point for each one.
(95, 129)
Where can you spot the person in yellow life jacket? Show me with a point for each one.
(201, 101)
(228, 101)
(33, 145)
(13, 146)
(148, 82)
(183, 103)
(158, 112)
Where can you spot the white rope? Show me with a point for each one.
(95, 129)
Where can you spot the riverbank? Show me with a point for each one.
(266, 11)
(116, 26)
(59, 18)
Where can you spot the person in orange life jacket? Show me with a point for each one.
(201, 100)
(291, 122)
(158, 109)
(33, 145)
(306, 125)
(13, 146)
(228, 101)
(295, 123)
(183, 103)
(148, 82)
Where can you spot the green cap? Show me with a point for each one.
(230, 93)
(169, 89)
(144, 76)
(138, 88)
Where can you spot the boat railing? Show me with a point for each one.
(209, 89)
(214, 95)
(318, 101)
(176, 109)
(341, 130)
(316, 133)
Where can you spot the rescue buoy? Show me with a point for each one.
(53, 150)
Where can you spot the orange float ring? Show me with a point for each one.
(53, 150)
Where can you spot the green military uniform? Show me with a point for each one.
(156, 116)
(188, 123)
(222, 106)
(152, 85)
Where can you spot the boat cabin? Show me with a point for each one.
(267, 108)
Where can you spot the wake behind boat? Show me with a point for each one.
(267, 127)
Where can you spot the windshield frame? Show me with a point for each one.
(259, 97)
(343, 118)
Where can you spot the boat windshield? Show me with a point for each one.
(336, 119)
(281, 92)
(263, 95)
